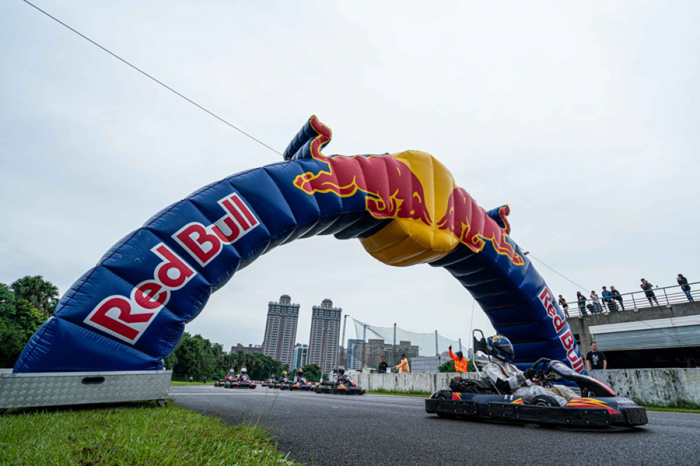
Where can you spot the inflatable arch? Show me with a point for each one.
(129, 312)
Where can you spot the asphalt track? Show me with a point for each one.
(394, 430)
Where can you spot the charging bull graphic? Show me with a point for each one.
(129, 311)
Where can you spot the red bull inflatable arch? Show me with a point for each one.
(129, 312)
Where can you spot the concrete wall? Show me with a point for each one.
(653, 386)
(426, 382)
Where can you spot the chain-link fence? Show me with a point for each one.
(372, 342)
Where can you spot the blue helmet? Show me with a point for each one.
(500, 347)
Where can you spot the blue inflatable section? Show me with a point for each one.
(129, 312)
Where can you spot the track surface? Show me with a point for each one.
(342, 430)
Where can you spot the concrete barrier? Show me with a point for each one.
(652, 386)
(423, 382)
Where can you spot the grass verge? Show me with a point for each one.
(390, 392)
(131, 434)
(680, 406)
(175, 383)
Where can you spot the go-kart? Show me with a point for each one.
(219, 383)
(229, 380)
(480, 398)
(241, 382)
(284, 384)
(345, 386)
(301, 384)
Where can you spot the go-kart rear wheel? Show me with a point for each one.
(545, 400)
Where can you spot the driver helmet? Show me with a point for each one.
(335, 371)
(300, 372)
(500, 347)
(231, 371)
(284, 374)
(244, 370)
(341, 370)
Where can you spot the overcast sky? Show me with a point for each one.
(583, 116)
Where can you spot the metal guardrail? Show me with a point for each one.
(635, 301)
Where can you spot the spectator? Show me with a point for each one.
(607, 298)
(191, 379)
(581, 303)
(564, 306)
(403, 366)
(649, 292)
(617, 297)
(683, 282)
(595, 360)
(597, 308)
(383, 366)
(205, 380)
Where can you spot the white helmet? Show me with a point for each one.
(244, 370)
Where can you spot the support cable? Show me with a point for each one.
(152, 78)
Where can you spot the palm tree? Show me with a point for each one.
(41, 293)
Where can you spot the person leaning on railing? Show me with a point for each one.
(608, 300)
(683, 282)
(581, 303)
(564, 306)
(617, 297)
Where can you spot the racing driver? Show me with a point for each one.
(511, 380)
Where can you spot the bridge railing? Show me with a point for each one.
(665, 296)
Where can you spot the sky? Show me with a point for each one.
(583, 117)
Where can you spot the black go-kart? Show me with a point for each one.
(229, 380)
(219, 383)
(345, 386)
(241, 382)
(301, 384)
(480, 399)
(284, 384)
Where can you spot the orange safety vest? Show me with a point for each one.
(460, 366)
(403, 367)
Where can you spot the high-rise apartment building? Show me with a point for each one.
(325, 336)
(300, 356)
(281, 330)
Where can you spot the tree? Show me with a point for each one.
(312, 372)
(19, 319)
(40, 293)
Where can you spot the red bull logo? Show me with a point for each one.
(392, 190)
(467, 221)
(413, 188)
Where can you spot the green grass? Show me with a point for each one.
(390, 392)
(680, 406)
(176, 383)
(131, 434)
(672, 410)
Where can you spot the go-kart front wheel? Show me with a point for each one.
(444, 415)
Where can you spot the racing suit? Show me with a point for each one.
(510, 380)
